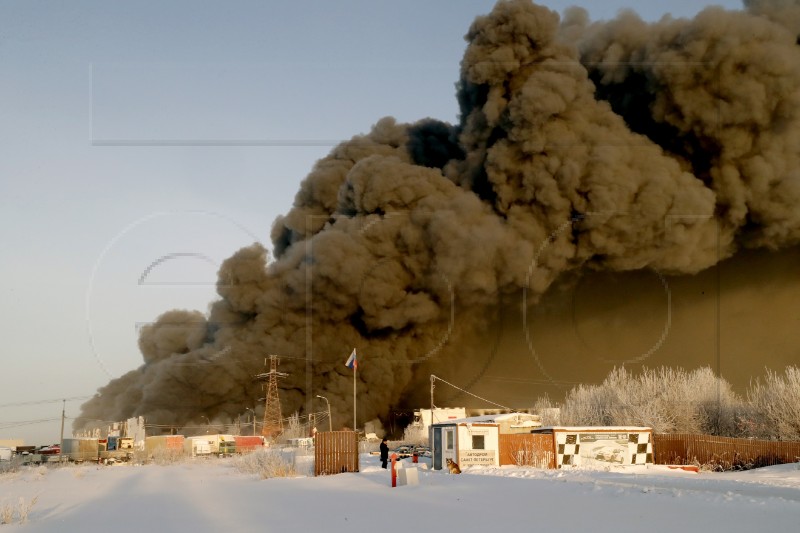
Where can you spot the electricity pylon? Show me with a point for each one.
(273, 419)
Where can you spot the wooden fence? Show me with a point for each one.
(526, 449)
(718, 453)
(335, 452)
(722, 453)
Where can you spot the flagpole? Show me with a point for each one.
(355, 370)
(352, 362)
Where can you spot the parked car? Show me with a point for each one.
(421, 451)
(402, 451)
(53, 449)
(371, 437)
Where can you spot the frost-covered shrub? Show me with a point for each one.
(415, 435)
(6, 513)
(549, 413)
(9, 467)
(20, 512)
(161, 456)
(774, 406)
(266, 463)
(667, 399)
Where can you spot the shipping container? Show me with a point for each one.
(81, 449)
(248, 443)
(173, 443)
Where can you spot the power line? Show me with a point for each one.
(39, 402)
(467, 392)
(9, 425)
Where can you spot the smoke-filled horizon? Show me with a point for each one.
(620, 169)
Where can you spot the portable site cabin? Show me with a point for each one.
(600, 446)
(476, 440)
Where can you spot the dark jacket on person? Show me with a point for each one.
(384, 451)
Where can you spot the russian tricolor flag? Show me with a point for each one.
(352, 361)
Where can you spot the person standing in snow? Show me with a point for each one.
(384, 452)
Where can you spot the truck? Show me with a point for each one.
(115, 448)
(226, 446)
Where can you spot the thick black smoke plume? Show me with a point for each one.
(591, 161)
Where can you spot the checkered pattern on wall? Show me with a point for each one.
(567, 449)
(640, 448)
(637, 451)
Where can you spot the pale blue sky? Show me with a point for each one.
(246, 95)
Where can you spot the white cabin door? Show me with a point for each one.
(449, 444)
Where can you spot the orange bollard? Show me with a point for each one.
(394, 470)
(415, 458)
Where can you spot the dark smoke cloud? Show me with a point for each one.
(783, 12)
(620, 148)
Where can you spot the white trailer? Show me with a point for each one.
(196, 446)
(5, 454)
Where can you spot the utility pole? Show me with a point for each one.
(431, 440)
(330, 420)
(273, 420)
(63, 416)
(254, 418)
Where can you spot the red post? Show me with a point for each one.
(394, 470)
(415, 458)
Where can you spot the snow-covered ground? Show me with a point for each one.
(213, 495)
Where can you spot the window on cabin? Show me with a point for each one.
(478, 442)
(448, 440)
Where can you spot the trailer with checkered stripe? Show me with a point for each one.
(599, 446)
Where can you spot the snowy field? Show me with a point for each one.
(213, 495)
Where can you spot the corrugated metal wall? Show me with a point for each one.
(724, 453)
(526, 449)
(335, 452)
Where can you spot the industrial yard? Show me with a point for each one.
(210, 494)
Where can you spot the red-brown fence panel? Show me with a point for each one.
(335, 452)
(722, 453)
(526, 449)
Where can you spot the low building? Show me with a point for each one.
(476, 440)
(419, 429)
(600, 446)
(11, 443)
